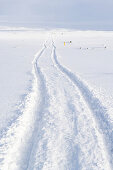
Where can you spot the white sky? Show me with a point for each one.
(81, 11)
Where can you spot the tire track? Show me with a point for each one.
(70, 139)
(57, 129)
(17, 143)
(44, 103)
(99, 112)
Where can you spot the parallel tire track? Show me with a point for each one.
(68, 126)
(47, 135)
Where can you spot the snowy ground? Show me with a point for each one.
(56, 100)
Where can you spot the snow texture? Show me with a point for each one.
(63, 124)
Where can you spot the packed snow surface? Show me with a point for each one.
(56, 100)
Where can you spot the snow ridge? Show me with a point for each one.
(40, 111)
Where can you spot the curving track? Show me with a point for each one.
(60, 127)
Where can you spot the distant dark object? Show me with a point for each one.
(89, 48)
(68, 42)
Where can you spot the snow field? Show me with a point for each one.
(63, 125)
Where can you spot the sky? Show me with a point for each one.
(67, 12)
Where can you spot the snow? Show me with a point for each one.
(16, 54)
(93, 65)
(56, 100)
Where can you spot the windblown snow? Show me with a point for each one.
(63, 124)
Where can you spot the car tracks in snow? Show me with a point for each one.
(59, 128)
